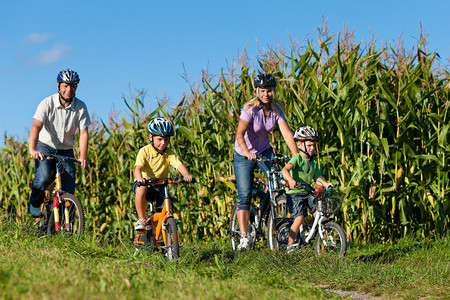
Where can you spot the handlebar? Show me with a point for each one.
(164, 181)
(274, 160)
(62, 158)
(303, 185)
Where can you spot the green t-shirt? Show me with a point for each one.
(304, 170)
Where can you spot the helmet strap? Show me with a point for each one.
(157, 151)
(306, 152)
(66, 100)
(264, 105)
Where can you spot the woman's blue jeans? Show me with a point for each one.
(46, 171)
(244, 171)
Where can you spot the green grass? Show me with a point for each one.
(39, 267)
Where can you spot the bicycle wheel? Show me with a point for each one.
(235, 232)
(74, 225)
(143, 240)
(334, 241)
(278, 225)
(42, 222)
(172, 241)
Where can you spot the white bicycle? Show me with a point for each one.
(326, 236)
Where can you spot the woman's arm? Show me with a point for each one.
(288, 136)
(242, 128)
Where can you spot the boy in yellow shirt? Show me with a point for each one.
(153, 161)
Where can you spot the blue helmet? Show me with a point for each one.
(68, 76)
(161, 127)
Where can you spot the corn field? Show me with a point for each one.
(383, 117)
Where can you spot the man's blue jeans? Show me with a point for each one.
(46, 171)
(244, 172)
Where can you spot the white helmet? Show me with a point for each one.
(306, 133)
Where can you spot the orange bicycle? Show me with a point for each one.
(159, 224)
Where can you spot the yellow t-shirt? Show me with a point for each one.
(154, 164)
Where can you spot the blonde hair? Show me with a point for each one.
(274, 103)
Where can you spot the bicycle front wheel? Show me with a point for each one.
(334, 241)
(72, 223)
(278, 225)
(172, 239)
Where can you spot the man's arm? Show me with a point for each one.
(84, 140)
(34, 137)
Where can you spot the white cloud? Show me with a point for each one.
(37, 38)
(52, 55)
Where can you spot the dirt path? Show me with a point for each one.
(354, 294)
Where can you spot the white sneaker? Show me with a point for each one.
(291, 248)
(243, 244)
(140, 224)
(35, 211)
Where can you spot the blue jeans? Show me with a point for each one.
(46, 171)
(244, 172)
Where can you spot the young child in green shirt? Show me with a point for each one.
(303, 167)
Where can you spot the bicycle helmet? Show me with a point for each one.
(306, 133)
(264, 80)
(68, 76)
(161, 127)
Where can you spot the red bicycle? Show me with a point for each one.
(61, 212)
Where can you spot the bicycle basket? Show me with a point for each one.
(331, 202)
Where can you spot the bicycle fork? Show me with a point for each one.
(56, 201)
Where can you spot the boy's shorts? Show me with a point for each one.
(154, 194)
(295, 204)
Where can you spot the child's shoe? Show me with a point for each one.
(243, 244)
(140, 224)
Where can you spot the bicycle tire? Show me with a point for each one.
(235, 232)
(75, 225)
(276, 225)
(143, 240)
(42, 223)
(172, 241)
(335, 240)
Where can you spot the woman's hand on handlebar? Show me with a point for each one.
(83, 163)
(251, 156)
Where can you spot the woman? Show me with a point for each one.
(257, 121)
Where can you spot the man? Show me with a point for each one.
(56, 121)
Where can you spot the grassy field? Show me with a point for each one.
(48, 268)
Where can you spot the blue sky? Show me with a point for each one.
(148, 45)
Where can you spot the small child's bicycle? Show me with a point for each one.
(325, 235)
(160, 224)
(61, 212)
